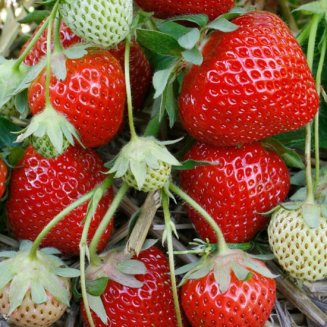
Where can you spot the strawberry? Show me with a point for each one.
(92, 96)
(299, 249)
(240, 184)
(36, 289)
(170, 8)
(253, 83)
(3, 177)
(103, 23)
(39, 50)
(150, 304)
(244, 303)
(140, 69)
(41, 188)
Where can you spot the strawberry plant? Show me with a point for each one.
(222, 102)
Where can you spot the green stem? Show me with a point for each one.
(168, 222)
(105, 222)
(221, 243)
(83, 245)
(62, 215)
(310, 57)
(31, 44)
(56, 37)
(48, 58)
(318, 84)
(284, 6)
(128, 88)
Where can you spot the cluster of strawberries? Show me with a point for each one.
(253, 83)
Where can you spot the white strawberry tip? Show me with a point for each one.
(42, 276)
(240, 263)
(118, 266)
(55, 126)
(142, 155)
(8, 86)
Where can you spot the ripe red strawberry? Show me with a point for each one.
(169, 8)
(141, 72)
(41, 188)
(244, 182)
(147, 306)
(253, 83)
(246, 303)
(3, 177)
(39, 50)
(92, 96)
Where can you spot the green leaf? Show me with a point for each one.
(21, 104)
(173, 29)
(186, 268)
(190, 39)
(290, 156)
(200, 19)
(236, 12)
(171, 105)
(77, 51)
(159, 42)
(160, 80)
(315, 7)
(36, 16)
(190, 164)
(132, 267)
(193, 56)
(97, 307)
(97, 287)
(223, 25)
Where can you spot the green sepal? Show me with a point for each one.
(55, 126)
(200, 19)
(96, 305)
(97, 287)
(117, 265)
(223, 25)
(190, 39)
(314, 7)
(311, 214)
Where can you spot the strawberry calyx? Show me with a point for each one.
(8, 86)
(144, 163)
(41, 275)
(53, 126)
(240, 263)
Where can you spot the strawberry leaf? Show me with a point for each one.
(36, 16)
(97, 287)
(190, 164)
(193, 56)
(173, 29)
(159, 42)
(190, 39)
(171, 105)
(160, 80)
(132, 267)
(200, 19)
(315, 7)
(223, 25)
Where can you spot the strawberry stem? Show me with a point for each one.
(168, 229)
(308, 138)
(57, 43)
(318, 84)
(93, 204)
(95, 260)
(128, 88)
(36, 244)
(31, 44)
(221, 243)
(48, 58)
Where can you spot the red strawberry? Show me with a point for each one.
(41, 188)
(246, 303)
(141, 72)
(244, 182)
(3, 177)
(147, 306)
(169, 8)
(92, 96)
(253, 83)
(39, 50)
